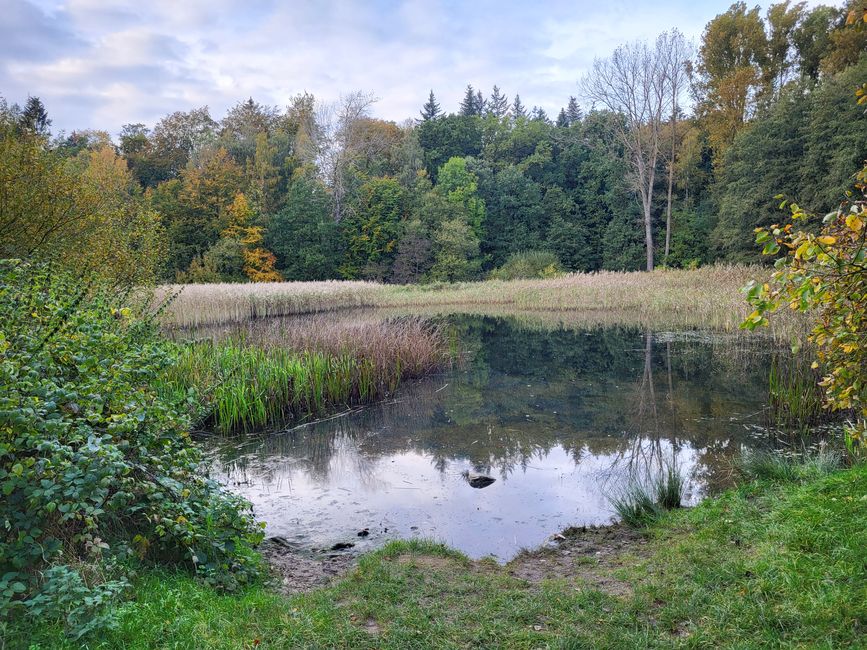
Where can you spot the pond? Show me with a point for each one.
(560, 417)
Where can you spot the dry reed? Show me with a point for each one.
(708, 297)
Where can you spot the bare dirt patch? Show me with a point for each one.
(297, 572)
(587, 556)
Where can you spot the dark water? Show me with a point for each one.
(560, 419)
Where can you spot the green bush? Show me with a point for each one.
(529, 264)
(96, 470)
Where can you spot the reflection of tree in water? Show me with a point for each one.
(522, 393)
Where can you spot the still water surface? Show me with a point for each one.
(561, 418)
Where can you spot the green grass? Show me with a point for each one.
(780, 467)
(769, 564)
(640, 503)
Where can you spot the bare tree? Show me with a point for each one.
(340, 136)
(677, 53)
(631, 82)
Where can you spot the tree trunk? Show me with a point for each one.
(648, 235)
(668, 206)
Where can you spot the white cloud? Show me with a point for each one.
(102, 63)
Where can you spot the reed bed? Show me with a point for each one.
(214, 304)
(262, 377)
(708, 297)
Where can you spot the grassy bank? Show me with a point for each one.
(260, 375)
(770, 564)
(709, 297)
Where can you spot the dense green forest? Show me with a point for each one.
(762, 106)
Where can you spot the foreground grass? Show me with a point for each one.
(770, 564)
(708, 297)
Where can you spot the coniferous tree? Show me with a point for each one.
(538, 113)
(480, 103)
(468, 104)
(498, 104)
(562, 120)
(573, 112)
(34, 117)
(518, 109)
(431, 109)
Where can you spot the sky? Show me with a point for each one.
(103, 63)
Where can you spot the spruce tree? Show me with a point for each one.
(562, 120)
(573, 112)
(498, 104)
(34, 117)
(480, 103)
(538, 113)
(431, 108)
(468, 104)
(518, 109)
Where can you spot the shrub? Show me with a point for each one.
(825, 274)
(94, 466)
(529, 264)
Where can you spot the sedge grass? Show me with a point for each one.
(640, 503)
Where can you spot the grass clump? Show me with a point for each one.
(796, 399)
(529, 264)
(776, 466)
(641, 503)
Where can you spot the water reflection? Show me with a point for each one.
(559, 417)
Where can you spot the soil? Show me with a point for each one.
(297, 571)
(587, 556)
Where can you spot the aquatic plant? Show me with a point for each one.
(285, 372)
(795, 399)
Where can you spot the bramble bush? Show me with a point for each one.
(825, 273)
(97, 471)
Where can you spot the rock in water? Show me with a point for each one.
(479, 480)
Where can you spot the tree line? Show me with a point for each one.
(675, 160)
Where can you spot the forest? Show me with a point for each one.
(761, 107)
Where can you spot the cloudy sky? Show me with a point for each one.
(104, 63)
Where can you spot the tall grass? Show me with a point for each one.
(795, 398)
(792, 467)
(640, 503)
(709, 297)
(254, 379)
